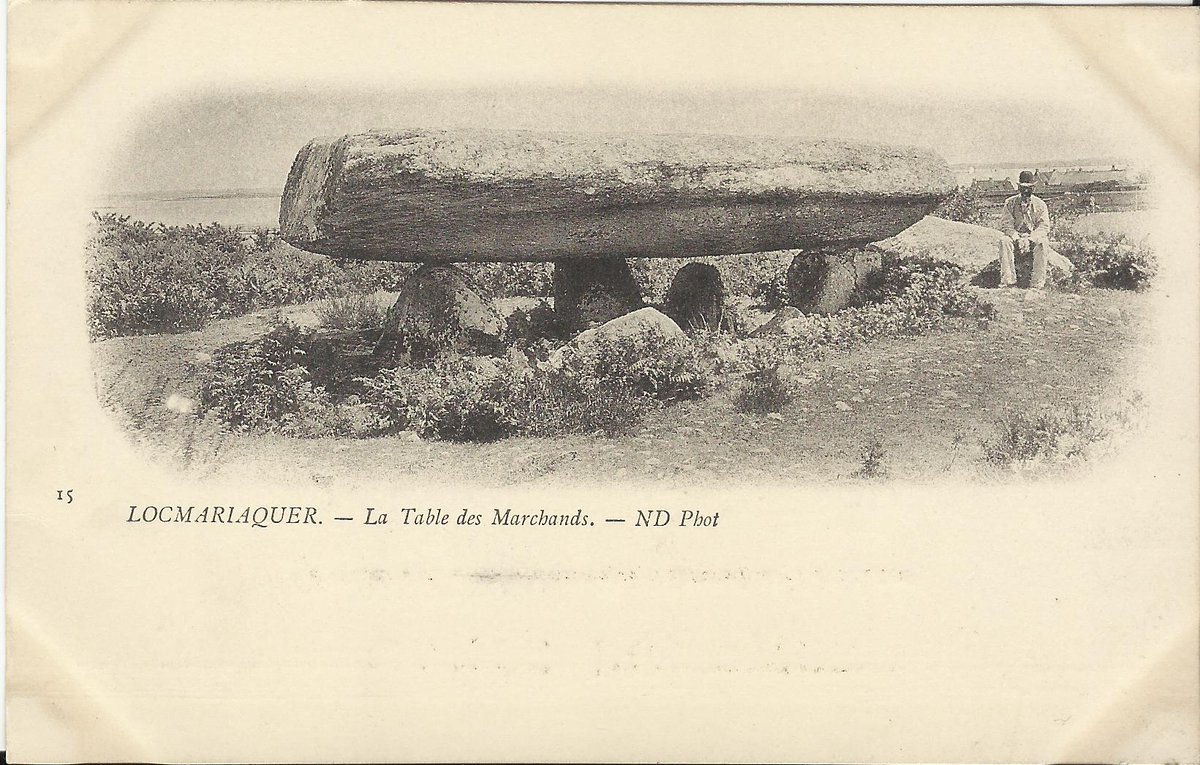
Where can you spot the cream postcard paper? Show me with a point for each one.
(259, 510)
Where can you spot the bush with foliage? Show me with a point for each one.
(262, 384)
(606, 387)
(550, 402)
(872, 462)
(351, 311)
(455, 401)
(772, 293)
(149, 278)
(668, 368)
(906, 297)
(965, 206)
(763, 392)
(1055, 441)
(1108, 260)
(528, 327)
(291, 381)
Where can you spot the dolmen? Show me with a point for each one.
(586, 202)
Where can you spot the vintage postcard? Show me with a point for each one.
(600, 382)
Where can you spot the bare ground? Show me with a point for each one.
(928, 401)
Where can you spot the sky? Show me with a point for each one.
(248, 139)
(977, 85)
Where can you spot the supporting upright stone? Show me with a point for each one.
(823, 281)
(593, 291)
(437, 306)
(696, 297)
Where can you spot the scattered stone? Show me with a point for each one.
(823, 281)
(696, 297)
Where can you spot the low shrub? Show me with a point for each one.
(263, 239)
(1108, 260)
(352, 311)
(1057, 440)
(763, 392)
(149, 278)
(667, 368)
(263, 384)
(964, 206)
(872, 462)
(464, 404)
(933, 285)
(292, 381)
(906, 297)
(557, 402)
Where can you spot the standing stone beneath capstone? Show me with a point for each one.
(696, 297)
(593, 291)
(440, 305)
(823, 281)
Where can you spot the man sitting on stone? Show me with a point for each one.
(1026, 226)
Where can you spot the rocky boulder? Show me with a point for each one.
(440, 305)
(969, 246)
(696, 297)
(646, 324)
(823, 282)
(480, 195)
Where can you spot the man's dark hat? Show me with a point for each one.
(1026, 178)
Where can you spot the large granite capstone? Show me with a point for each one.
(476, 195)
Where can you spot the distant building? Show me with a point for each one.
(1070, 178)
(990, 187)
(1044, 179)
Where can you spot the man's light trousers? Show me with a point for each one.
(1008, 271)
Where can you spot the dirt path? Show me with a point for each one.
(928, 401)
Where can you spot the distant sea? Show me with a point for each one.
(241, 208)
